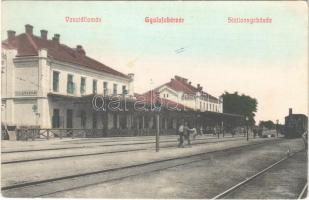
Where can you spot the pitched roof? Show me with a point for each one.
(181, 84)
(180, 87)
(151, 97)
(29, 44)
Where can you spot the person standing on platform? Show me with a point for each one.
(181, 135)
(201, 130)
(186, 132)
(196, 133)
(214, 131)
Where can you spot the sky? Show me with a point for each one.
(266, 61)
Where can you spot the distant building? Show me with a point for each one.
(179, 90)
(295, 125)
(40, 77)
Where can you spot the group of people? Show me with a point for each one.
(184, 134)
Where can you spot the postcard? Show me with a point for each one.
(154, 99)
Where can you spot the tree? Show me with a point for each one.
(268, 124)
(240, 104)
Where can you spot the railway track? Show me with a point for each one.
(116, 139)
(112, 152)
(99, 145)
(60, 184)
(258, 174)
(303, 192)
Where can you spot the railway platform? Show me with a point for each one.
(58, 167)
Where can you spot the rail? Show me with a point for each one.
(233, 188)
(303, 192)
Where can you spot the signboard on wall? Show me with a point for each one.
(26, 93)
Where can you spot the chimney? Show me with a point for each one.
(131, 75)
(56, 38)
(79, 47)
(80, 50)
(290, 111)
(178, 78)
(11, 35)
(29, 29)
(199, 87)
(44, 34)
(190, 83)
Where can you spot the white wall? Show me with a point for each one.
(26, 76)
(18, 75)
(169, 94)
(23, 112)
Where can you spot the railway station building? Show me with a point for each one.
(49, 85)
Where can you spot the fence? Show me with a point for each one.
(36, 133)
(31, 133)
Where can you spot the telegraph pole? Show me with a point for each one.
(158, 133)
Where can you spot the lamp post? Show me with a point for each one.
(247, 122)
(156, 116)
(151, 95)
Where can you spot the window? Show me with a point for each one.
(83, 119)
(105, 90)
(3, 105)
(55, 81)
(70, 84)
(115, 89)
(94, 120)
(167, 95)
(56, 118)
(82, 85)
(124, 90)
(94, 86)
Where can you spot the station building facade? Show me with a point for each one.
(42, 79)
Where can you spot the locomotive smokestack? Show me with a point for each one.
(290, 111)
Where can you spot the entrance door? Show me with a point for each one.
(69, 118)
(56, 118)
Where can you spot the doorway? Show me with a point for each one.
(69, 118)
